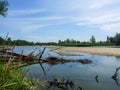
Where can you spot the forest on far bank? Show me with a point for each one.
(110, 41)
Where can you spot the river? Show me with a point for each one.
(83, 75)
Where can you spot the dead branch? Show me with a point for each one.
(63, 84)
(116, 73)
(38, 54)
(30, 56)
(58, 60)
(42, 53)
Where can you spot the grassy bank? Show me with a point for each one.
(12, 78)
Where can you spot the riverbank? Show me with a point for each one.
(105, 51)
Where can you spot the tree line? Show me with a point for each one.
(115, 40)
(112, 40)
(14, 42)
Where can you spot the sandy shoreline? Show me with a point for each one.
(105, 51)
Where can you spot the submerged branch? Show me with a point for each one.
(115, 76)
(116, 73)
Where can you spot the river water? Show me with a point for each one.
(83, 75)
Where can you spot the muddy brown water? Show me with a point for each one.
(83, 75)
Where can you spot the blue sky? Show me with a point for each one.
(53, 20)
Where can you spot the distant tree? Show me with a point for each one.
(1, 41)
(112, 40)
(59, 41)
(73, 41)
(108, 39)
(9, 41)
(78, 42)
(92, 40)
(117, 39)
(67, 41)
(3, 7)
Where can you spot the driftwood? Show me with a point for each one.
(115, 76)
(31, 58)
(58, 60)
(42, 53)
(17, 57)
(116, 73)
(63, 84)
(9, 53)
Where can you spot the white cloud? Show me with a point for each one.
(108, 21)
(98, 14)
(25, 12)
(114, 27)
(95, 4)
(30, 28)
(77, 5)
(22, 26)
(105, 18)
(48, 18)
(35, 38)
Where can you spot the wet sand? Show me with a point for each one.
(105, 51)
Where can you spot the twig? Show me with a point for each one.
(42, 53)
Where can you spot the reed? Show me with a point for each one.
(12, 78)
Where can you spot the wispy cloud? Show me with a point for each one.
(94, 4)
(113, 27)
(25, 12)
(103, 21)
(98, 15)
(30, 28)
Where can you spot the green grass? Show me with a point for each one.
(12, 78)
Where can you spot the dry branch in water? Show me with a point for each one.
(58, 60)
(116, 73)
(64, 84)
(42, 53)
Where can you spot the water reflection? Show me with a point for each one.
(95, 76)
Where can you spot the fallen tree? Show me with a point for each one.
(31, 58)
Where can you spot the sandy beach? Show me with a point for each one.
(105, 51)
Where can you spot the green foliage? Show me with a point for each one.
(117, 39)
(15, 42)
(3, 7)
(114, 40)
(92, 40)
(11, 78)
(1, 41)
(22, 42)
(9, 41)
(68, 42)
